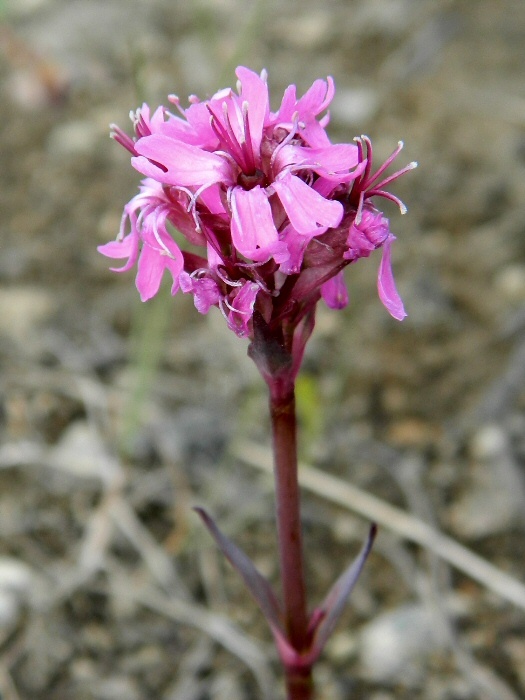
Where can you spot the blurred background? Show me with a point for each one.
(117, 417)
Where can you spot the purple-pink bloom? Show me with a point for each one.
(241, 307)
(386, 286)
(277, 209)
(205, 291)
(334, 292)
(149, 242)
(253, 229)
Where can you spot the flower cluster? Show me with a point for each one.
(253, 211)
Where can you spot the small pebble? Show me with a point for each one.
(341, 647)
(489, 442)
(510, 282)
(354, 106)
(393, 647)
(81, 453)
(73, 138)
(495, 498)
(22, 310)
(15, 576)
(116, 688)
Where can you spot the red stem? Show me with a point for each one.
(284, 433)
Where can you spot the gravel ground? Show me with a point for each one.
(116, 417)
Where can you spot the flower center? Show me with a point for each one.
(249, 181)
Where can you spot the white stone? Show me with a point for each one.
(22, 309)
(354, 105)
(9, 609)
(74, 138)
(511, 282)
(394, 645)
(495, 499)
(15, 576)
(15, 584)
(490, 442)
(81, 452)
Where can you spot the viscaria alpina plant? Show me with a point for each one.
(277, 212)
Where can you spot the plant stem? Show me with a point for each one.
(299, 684)
(284, 433)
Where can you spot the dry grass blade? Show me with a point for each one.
(7, 687)
(395, 519)
(219, 629)
(158, 562)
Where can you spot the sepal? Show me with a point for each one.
(323, 619)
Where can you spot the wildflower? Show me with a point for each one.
(278, 210)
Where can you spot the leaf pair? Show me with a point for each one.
(323, 619)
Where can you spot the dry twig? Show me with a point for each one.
(219, 629)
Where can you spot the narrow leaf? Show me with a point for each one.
(255, 582)
(326, 616)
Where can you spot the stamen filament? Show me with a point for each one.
(385, 165)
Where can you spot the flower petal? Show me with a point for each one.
(149, 273)
(296, 244)
(386, 286)
(214, 259)
(334, 292)
(306, 208)
(286, 111)
(182, 164)
(333, 162)
(159, 253)
(254, 91)
(241, 308)
(196, 130)
(212, 200)
(205, 291)
(316, 98)
(313, 132)
(370, 233)
(126, 248)
(252, 226)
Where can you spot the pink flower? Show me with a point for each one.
(371, 232)
(159, 251)
(277, 209)
(334, 292)
(205, 290)
(241, 307)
